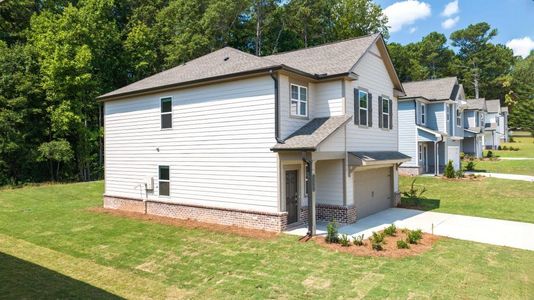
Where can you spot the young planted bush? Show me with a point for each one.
(470, 166)
(414, 195)
(344, 240)
(377, 241)
(358, 240)
(414, 236)
(391, 230)
(402, 244)
(449, 170)
(489, 154)
(331, 232)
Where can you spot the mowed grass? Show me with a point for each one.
(484, 197)
(522, 167)
(52, 247)
(525, 145)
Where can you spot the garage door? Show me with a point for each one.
(372, 191)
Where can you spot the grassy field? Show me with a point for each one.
(51, 246)
(523, 167)
(525, 145)
(487, 197)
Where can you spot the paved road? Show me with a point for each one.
(484, 230)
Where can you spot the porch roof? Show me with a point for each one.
(368, 158)
(473, 130)
(309, 136)
(428, 134)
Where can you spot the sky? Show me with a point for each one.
(410, 20)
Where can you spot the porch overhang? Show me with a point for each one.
(376, 158)
(429, 135)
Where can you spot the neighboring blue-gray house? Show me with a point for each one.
(431, 125)
(474, 117)
(496, 124)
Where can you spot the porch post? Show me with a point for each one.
(312, 226)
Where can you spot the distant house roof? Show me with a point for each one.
(433, 89)
(334, 59)
(476, 104)
(493, 106)
(504, 108)
(309, 136)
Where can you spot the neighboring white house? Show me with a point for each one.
(259, 142)
(496, 127)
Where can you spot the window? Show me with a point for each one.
(164, 181)
(385, 112)
(166, 112)
(423, 113)
(299, 101)
(458, 118)
(364, 101)
(448, 112)
(420, 152)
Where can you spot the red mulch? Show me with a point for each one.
(190, 224)
(390, 247)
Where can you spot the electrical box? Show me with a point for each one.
(149, 183)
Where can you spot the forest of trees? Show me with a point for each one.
(57, 56)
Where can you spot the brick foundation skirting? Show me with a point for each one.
(325, 212)
(409, 171)
(276, 222)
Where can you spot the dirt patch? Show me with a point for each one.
(190, 224)
(390, 247)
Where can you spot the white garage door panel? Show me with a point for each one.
(372, 191)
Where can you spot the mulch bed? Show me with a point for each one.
(190, 224)
(390, 247)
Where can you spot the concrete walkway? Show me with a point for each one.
(490, 231)
(503, 176)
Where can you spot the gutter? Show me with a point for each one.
(276, 109)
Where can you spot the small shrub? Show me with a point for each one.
(414, 236)
(358, 240)
(344, 240)
(470, 166)
(463, 155)
(414, 195)
(377, 246)
(402, 244)
(449, 170)
(499, 147)
(331, 232)
(459, 173)
(489, 154)
(504, 147)
(511, 140)
(377, 241)
(391, 230)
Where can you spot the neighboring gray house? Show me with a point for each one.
(431, 125)
(474, 118)
(259, 142)
(496, 127)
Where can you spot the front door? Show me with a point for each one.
(291, 196)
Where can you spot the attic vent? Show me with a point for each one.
(226, 58)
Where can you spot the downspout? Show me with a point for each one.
(276, 109)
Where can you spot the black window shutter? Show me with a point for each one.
(391, 114)
(370, 110)
(380, 111)
(356, 115)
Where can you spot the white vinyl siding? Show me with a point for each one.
(329, 182)
(329, 99)
(289, 124)
(218, 151)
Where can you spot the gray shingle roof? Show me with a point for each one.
(493, 106)
(312, 134)
(433, 89)
(504, 108)
(380, 155)
(476, 104)
(221, 62)
(329, 59)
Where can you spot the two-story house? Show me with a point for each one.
(474, 122)
(259, 142)
(431, 125)
(496, 124)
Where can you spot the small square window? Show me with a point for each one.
(299, 101)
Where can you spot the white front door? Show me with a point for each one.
(453, 153)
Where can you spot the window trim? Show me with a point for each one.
(165, 113)
(422, 113)
(386, 99)
(366, 109)
(164, 180)
(420, 152)
(299, 101)
(458, 118)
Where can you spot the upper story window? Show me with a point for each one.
(363, 97)
(299, 101)
(458, 118)
(420, 152)
(423, 113)
(166, 112)
(448, 112)
(164, 181)
(386, 111)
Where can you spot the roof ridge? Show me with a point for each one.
(455, 77)
(253, 55)
(325, 44)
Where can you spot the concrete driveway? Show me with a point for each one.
(491, 231)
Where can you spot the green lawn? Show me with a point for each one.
(487, 197)
(51, 246)
(525, 145)
(523, 167)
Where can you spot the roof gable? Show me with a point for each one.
(433, 89)
(493, 106)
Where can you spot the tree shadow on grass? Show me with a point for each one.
(420, 204)
(20, 279)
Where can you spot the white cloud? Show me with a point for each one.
(521, 46)
(405, 13)
(413, 29)
(450, 22)
(451, 9)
